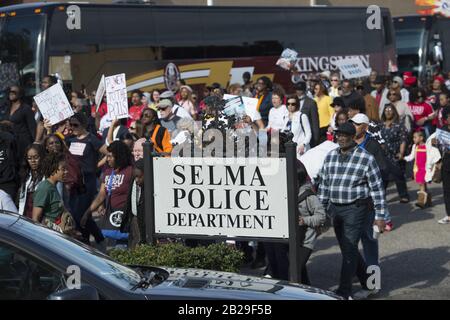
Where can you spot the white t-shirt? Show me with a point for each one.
(6, 203)
(278, 117)
(180, 111)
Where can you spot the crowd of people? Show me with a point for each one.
(90, 166)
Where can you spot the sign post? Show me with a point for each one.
(149, 204)
(294, 229)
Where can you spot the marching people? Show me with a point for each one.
(309, 107)
(264, 88)
(421, 111)
(30, 176)
(21, 118)
(311, 216)
(186, 102)
(402, 109)
(324, 109)
(111, 199)
(133, 221)
(298, 124)
(349, 178)
(445, 169)
(396, 136)
(419, 156)
(278, 114)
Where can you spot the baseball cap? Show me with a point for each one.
(346, 128)
(360, 118)
(399, 80)
(164, 104)
(337, 101)
(300, 86)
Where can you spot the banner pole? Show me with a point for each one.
(294, 230)
(149, 204)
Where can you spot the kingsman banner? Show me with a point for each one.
(244, 197)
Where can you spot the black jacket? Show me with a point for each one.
(8, 163)
(354, 99)
(128, 214)
(374, 148)
(310, 109)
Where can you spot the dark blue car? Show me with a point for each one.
(38, 263)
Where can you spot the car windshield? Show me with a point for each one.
(80, 254)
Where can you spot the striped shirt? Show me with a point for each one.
(346, 178)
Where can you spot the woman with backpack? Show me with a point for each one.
(298, 124)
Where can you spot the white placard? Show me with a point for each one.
(53, 104)
(244, 197)
(116, 94)
(77, 148)
(237, 74)
(250, 104)
(352, 67)
(100, 92)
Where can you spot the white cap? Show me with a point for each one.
(360, 118)
(399, 80)
(326, 74)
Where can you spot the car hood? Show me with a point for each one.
(208, 284)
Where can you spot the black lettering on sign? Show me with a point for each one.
(233, 177)
(179, 174)
(178, 194)
(211, 177)
(195, 174)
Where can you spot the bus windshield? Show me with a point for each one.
(20, 39)
(409, 40)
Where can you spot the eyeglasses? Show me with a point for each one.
(335, 80)
(291, 103)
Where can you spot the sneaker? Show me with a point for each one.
(404, 200)
(365, 293)
(445, 220)
(389, 226)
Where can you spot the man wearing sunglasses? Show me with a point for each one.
(168, 119)
(397, 84)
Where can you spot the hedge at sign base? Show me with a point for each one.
(218, 256)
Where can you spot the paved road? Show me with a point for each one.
(414, 257)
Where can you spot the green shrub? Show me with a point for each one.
(219, 256)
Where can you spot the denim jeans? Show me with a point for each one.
(350, 222)
(369, 244)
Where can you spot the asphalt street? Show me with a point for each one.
(414, 256)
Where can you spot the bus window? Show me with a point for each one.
(20, 51)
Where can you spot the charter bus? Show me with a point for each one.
(201, 44)
(423, 44)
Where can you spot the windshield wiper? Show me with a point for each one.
(145, 282)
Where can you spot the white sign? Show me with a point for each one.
(243, 197)
(352, 68)
(77, 148)
(116, 94)
(100, 92)
(53, 104)
(250, 104)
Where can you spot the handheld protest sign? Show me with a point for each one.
(53, 104)
(116, 93)
(100, 92)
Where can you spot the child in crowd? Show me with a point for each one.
(419, 155)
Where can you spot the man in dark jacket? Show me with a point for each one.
(8, 161)
(309, 107)
(133, 220)
(350, 96)
(364, 141)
